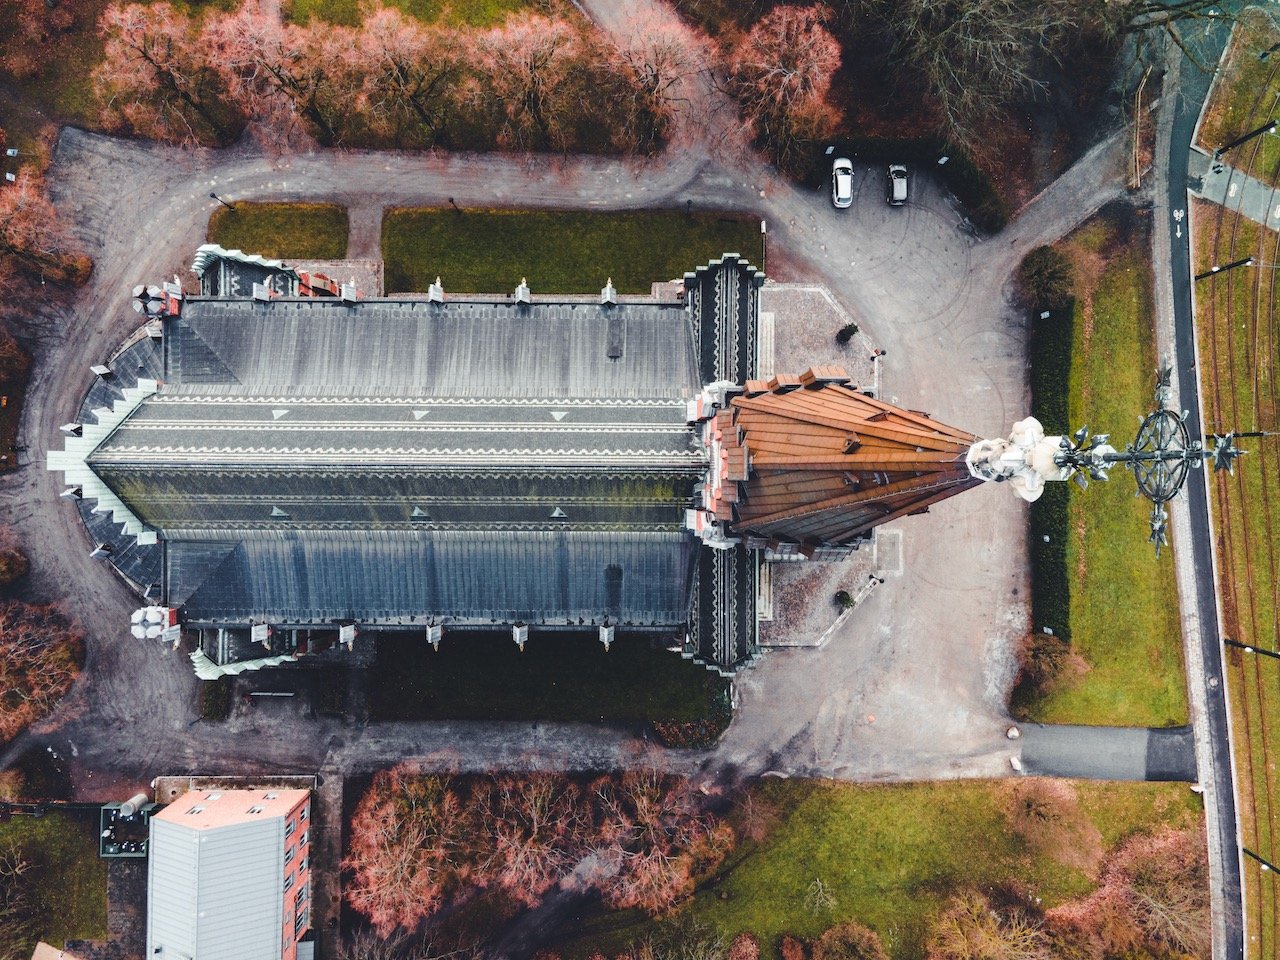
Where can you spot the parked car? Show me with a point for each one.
(842, 183)
(897, 184)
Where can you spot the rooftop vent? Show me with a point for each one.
(100, 370)
(279, 514)
(435, 291)
(420, 514)
(523, 294)
(520, 634)
(608, 295)
(558, 514)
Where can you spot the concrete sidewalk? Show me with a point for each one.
(1226, 185)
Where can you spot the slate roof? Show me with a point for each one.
(415, 348)
(468, 577)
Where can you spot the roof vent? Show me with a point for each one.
(72, 493)
(71, 429)
(522, 292)
(435, 291)
(420, 514)
(608, 295)
(558, 514)
(101, 551)
(100, 370)
(279, 514)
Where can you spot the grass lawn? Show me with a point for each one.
(471, 13)
(489, 251)
(557, 677)
(1123, 601)
(1238, 330)
(1246, 95)
(67, 881)
(889, 855)
(294, 231)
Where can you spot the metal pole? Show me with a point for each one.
(229, 206)
(1268, 127)
(1248, 649)
(1266, 867)
(1246, 262)
(764, 253)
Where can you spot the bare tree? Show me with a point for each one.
(978, 57)
(969, 929)
(156, 81)
(39, 659)
(781, 73)
(17, 915)
(662, 61)
(33, 240)
(410, 77)
(536, 824)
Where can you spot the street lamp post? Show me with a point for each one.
(1268, 127)
(1267, 867)
(1245, 262)
(1249, 649)
(229, 206)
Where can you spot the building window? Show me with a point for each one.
(214, 796)
(196, 809)
(270, 796)
(302, 865)
(300, 924)
(289, 828)
(303, 839)
(255, 809)
(303, 814)
(288, 855)
(288, 883)
(302, 896)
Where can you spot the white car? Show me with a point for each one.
(897, 185)
(842, 183)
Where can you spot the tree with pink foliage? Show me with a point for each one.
(536, 822)
(662, 62)
(781, 73)
(156, 80)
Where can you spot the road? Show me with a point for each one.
(1196, 576)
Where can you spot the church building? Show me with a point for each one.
(276, 457)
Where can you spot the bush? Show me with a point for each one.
(792, 948)
(1045, 279)
(970, 929)
(40, 654)
(849, 941)
(844, 600)
(13, 564)
(1042, 660)
(744, 947)
(700, 734)
(215, 699)
(846, 333)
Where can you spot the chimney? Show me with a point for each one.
(608, 295)
(261, 292)
(606, 635)
(522, 292)
(520, 634)
(435, 632)
(349, 293)
(435, 292)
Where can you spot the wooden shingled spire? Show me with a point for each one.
(819, 464)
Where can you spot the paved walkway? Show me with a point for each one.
(1224, 184)
(1108, 753)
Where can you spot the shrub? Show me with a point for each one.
(1045, 278)
(792, 948)
(844, 600)
(13, 564)
(215, 699)
(970, 929)
(846, 333)
(744, 947)
(849, 941)
(700, 734)
(12, 785)
(1045, 813)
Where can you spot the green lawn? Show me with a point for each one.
(889, 855)
(471, 13)
(67, 882)
(557, 677)
(489, 251)
(1123, 601)
(1246, 95)
(293, 231)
